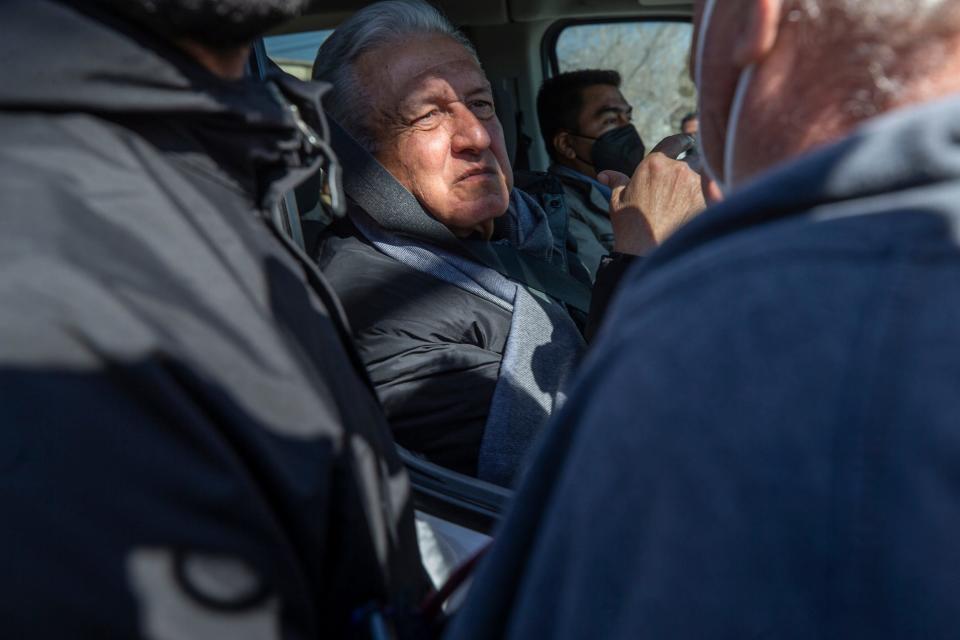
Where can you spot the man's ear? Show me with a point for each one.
(561, 143)
(758, 35)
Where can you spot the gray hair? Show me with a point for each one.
(378, 25)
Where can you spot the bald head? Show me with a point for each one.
(819, 68)
(883, 37)
(876, 14)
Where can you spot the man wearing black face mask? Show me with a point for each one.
(586, 127)
(189, 446)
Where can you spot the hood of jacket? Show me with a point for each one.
(58, 58)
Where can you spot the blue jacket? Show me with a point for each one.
(765, 441)
(589, 226)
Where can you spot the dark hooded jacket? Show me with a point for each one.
(763, 442)
(189, 446)
(440, 353)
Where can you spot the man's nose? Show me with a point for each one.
(469, 134)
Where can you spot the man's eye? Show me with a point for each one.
(483, 109)
(427, 117)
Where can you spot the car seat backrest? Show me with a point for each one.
(506, 107)
(511, 119)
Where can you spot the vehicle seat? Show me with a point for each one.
(511, 119)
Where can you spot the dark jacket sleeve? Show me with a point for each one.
(432, 350)
(126, 487)
(436, 394)
(611, 272)
(749, 476)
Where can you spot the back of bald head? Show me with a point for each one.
(839, 63)
(882, 52)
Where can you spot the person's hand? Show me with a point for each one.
(663, 194)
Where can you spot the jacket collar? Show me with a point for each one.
(82, 61)
(598, 192)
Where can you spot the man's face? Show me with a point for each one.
(604, 108)
(691, 127)
(437, 131)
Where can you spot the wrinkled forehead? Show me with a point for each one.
(423, 66)
(450, 80)
(602, 94)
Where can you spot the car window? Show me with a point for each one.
(652, 59)
(294, 53)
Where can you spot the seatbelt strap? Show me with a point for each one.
(537, 274)
(394, 209)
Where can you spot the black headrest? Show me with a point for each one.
(506, 105)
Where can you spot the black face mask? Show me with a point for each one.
(619, 149)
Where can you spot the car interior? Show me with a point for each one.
(519, 43)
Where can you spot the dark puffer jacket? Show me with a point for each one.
(189, 446)
(433, 350)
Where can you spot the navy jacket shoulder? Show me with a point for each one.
(761, 441)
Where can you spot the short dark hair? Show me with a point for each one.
(687, 118)
(561, 98)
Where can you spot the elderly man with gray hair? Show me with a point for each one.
(463, 297)
(764, 443)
